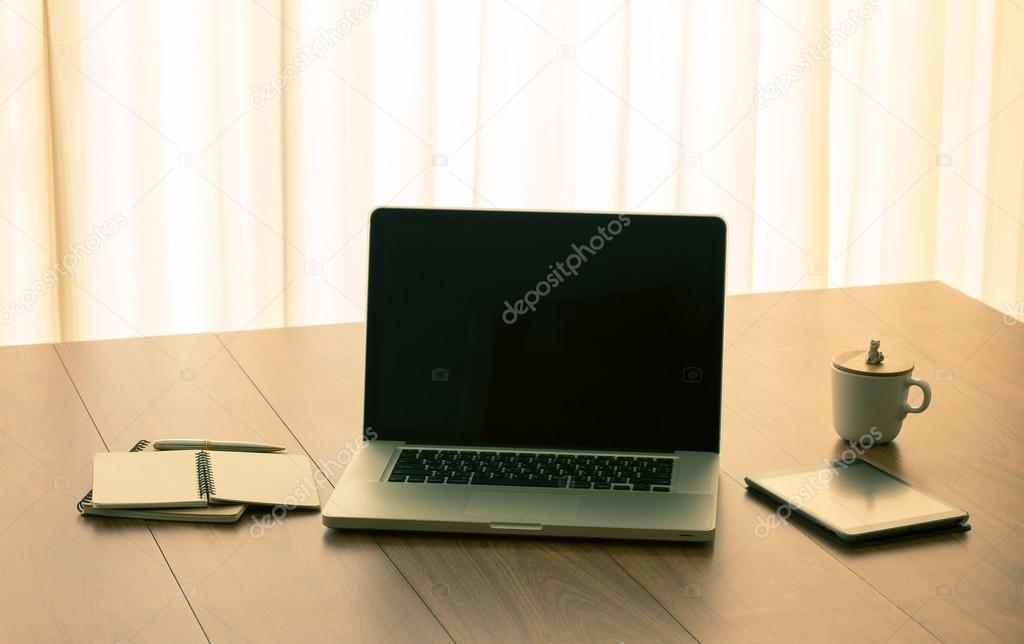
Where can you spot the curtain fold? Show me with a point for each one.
(172, 167)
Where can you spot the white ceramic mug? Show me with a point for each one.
(869, 409)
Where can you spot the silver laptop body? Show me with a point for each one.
(591, 408)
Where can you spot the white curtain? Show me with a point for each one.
(170, 167)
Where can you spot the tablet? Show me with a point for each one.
(856, 501)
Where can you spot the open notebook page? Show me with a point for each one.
(145, 480)
(265, 479)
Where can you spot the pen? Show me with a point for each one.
(226, 446)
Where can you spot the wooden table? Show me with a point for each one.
(67, 577)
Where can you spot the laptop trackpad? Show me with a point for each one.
(531, 507)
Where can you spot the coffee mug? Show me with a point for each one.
(870, 408)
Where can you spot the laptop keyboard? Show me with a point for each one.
(525, 469)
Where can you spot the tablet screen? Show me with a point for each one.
(854, 498)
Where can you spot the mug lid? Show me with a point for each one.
(857, 362)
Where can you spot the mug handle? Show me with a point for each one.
(926, 389)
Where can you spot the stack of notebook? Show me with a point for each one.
(196, 485)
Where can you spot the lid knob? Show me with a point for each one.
(874, 355)
(872, 362)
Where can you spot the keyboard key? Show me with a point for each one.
(659, 488)
(396, 478)
(410, 472)
(435, 479)
(416, 479)
(621, 487)
(653, 480)
(522, 482)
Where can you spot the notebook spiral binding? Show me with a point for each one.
(137, 447)
(204, 475)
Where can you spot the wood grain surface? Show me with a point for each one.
(272, 578)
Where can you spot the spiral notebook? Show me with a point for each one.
(196, 479)
(227, 513)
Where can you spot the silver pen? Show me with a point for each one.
(225, 446)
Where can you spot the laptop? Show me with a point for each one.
(540, 373)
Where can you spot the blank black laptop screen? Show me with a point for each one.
(558, 330)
